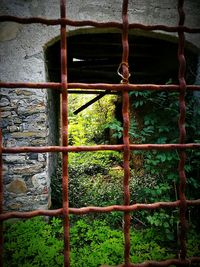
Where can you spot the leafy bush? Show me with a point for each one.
(87, 172)
(35, 242)
(88, 126)
(95, 244)
(193, 242)
(154, 119)
(97, 179)
(32, 243)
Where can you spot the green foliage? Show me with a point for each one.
(116, 127)
(32, 243)
(88, 126)
(97, 178)
(165, 222)
(146, 188)
(95, 244)
(160, 112)
(102, 245)
(94, 181)
(36, 243)
(90, 180)
(159, 124)
(193, 243)
(94, 162)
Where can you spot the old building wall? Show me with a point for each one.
(27, 114)
(25, 117)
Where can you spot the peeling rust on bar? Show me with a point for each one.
(113, 24)
(132, 87)
(29, 214)
(161, 147)
(126, 124)
(100, 86)
(93, 209)
(182, 133)
(47, 85)
(64, 132)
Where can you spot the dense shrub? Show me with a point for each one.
(36, 242)
(32, 243)
(88, 126)
(87, 171)
(97, 179)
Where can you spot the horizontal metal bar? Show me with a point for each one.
(131, 87)
(134, 207)
(15, 150)
(60, 21)
(49, 85)
(113, 24)
(100, 86)
(30, 214)
(93, 209)
(31, 85)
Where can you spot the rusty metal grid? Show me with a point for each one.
(64, 87)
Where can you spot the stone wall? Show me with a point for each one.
(27, 114)
(25, 117)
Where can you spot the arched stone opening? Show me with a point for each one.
(95, 54)
(94, 57)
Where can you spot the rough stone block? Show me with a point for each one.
(39, 179)
(8, 31)
(4, 102)
(17, 186)
(14, 158)
(28, 169)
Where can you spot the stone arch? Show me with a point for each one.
(100, 48)
(94, 56)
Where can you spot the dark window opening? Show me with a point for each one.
(94, 58)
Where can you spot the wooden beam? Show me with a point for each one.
(89, 103)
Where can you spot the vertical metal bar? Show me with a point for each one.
(64, 127)
(1, 198)
(182, 132)
(126, 122)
